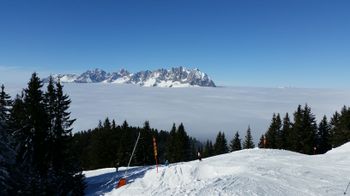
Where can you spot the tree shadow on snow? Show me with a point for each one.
(101, 184)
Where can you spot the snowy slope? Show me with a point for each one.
(246, 172)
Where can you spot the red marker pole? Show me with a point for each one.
(155, 152)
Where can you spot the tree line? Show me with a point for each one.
(109, 144)
(304, 135)
(35, 142)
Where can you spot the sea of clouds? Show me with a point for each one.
(204, 111)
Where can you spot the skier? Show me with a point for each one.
(116, 167)
(166, 162)
(199, 156)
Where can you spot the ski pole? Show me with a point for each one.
(346, 188)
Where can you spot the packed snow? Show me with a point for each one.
(247, 172)
(204, 111)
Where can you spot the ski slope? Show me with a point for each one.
(247, 172)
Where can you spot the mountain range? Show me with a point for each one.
(174, 77)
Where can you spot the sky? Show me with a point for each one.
(270, 43)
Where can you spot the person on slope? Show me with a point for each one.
(199, 156)
(116, 166)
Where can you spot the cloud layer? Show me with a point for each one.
(204, 111)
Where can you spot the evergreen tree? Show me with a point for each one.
(5, 105)
(208, 149)
(217, 144)
(172, 145)
(303, 136)
(283, 142)
(69, 179)
(294, 135)
(114, 124)
(127, 142)
(323, 136)
(272, 134)
(8, 175)
(341, 127)
(50, 104)
(236, 143)
(308, 135)
(17, 118)
(248, 142)
(107, 124)
(220, 146)
(32, 138)
(42, 136)
(145, 151)
(7, 157)
(335, 126)
(184, 147)
(162, 141)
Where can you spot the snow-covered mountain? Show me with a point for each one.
(246, 172)
(174, 77)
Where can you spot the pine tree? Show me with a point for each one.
(220, 146)
(67, 171)
(272, 134)
(323, 136)
(236, 143)
(208, 149)
(37, 124)
(224, 143)
(341, 127)
(42, 137)
(248, 142)
(308, 134)
(303, 135)
(50, 104)
(5, 105)
(145, 152)
(107, 124)
(294, 135)
(114, 124)
(184, 147)
(7, 157)
(172, 145)
(17, 118)
(31, 137)
(8, 184)
(335, 130)
(217, 144)
(285, 132)
(126, 144)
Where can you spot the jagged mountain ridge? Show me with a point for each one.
(174, 77)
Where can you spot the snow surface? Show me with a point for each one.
(247, 172)
(204, 111)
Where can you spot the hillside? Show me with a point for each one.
(246, 172)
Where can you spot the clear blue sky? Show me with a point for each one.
(304, 43)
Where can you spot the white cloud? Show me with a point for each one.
(204, 111)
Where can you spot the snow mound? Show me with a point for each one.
(246, 172)
(345, 148)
